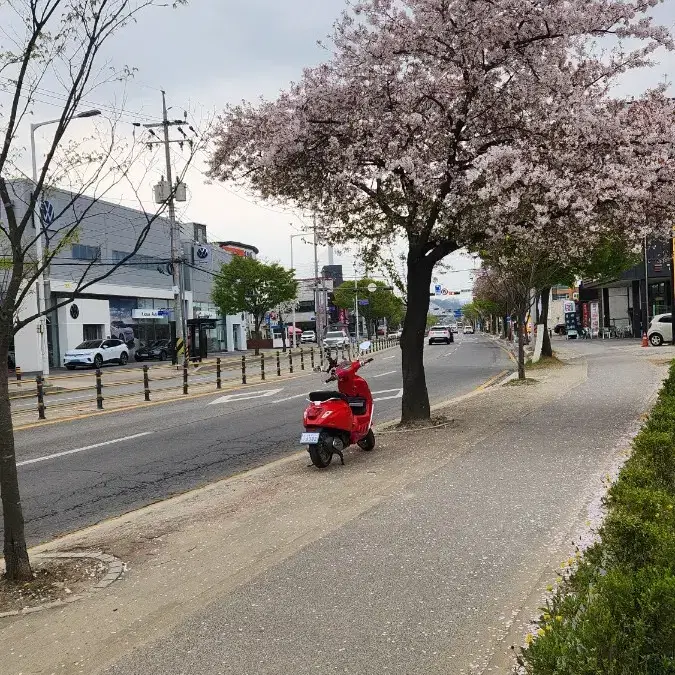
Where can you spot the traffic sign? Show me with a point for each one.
(372, 288)
(363, 302)
(458, 313)
(438, 289)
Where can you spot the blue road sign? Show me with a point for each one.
(363, 302)
(438, 289)
(458, 313)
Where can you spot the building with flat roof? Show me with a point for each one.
(134, 303)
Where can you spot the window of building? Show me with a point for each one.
(199, 233)
(140, 261)
(305, 306)
(82, 252)
(92, 332)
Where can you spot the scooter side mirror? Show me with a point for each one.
(365, 346)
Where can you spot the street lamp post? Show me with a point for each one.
(293, 236)
(40, 281)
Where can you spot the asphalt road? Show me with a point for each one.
(74, 474)
(73, 389)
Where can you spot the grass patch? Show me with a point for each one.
(615, 614)
(521, 383)
(545, 362)
(435, 421)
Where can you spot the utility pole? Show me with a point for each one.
(646, 314)
(356, 308)
(319, 294)
(169, 196)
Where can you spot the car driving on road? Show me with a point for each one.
(307, 336)
(468, 330)
(94, 353)
(441, 334)
(660, 329)
(336, 338)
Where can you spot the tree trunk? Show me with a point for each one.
(257, 334)
(521, 347)
(546, 349)
(415, 403)
(16, 555)
(283, 332)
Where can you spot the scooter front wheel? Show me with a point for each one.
(367, 443)
(321, 453)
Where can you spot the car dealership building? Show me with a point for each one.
(133, 303)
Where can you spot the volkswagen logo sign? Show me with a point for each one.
(202, 252)
(47, 214)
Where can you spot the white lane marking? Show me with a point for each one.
(387, 358)
(391, 372)
(398, 394)
(233, 398)
(290, 398)
(86, 447)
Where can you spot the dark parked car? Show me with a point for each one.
(160, 349)
(560, 329)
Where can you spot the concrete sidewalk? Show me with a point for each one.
(420, 557)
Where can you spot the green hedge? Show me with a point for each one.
(615, 615)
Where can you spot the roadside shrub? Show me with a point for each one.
(615, 615)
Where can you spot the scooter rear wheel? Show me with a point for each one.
(368, 442)
(321, 453)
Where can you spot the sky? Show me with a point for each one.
(213, 52)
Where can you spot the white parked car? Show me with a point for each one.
(660, 329)
(336, 338)
(468, 330)
(307, 336)
(94, 353)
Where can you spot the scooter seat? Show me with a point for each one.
(318, 396)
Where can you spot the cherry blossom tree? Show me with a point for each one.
(423, 102)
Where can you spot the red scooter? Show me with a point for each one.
(335, 420)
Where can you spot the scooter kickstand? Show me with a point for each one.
(342, 459)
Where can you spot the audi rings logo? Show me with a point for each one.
(203, 253)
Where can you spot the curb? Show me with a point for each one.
(115, 570)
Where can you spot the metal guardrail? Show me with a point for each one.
(247, 369)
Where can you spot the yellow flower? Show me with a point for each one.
(529, 638)
(546, 616)
(558, 617)
(540, 631)
(549, 588)
(549, 627)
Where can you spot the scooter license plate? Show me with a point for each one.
(311, 438)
